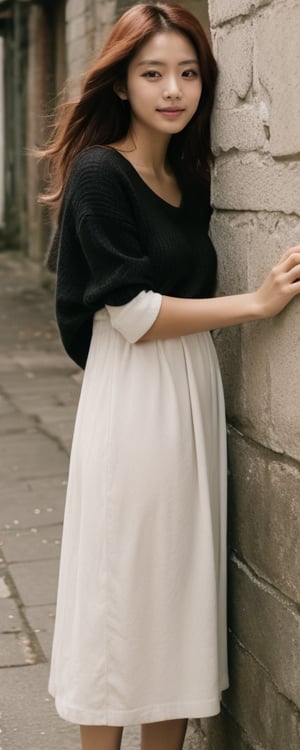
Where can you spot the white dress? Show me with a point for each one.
(140, 633)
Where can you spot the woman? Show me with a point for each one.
(140, 634)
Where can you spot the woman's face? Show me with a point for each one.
(163, 83)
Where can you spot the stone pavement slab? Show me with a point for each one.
(48, 399)
(10, 620)
(25, 545)
(35, 457)
(52, 362)
(29, 719)
(14, 422)
(12, 653)
(36, 582)
(41, 621)
(5, 406)
(32, 502)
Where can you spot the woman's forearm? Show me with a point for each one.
(181, 317)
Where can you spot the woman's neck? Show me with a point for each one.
(147, 153)
(149, 159)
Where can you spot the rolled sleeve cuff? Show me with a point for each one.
(135, 318)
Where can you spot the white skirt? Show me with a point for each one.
(140, 632)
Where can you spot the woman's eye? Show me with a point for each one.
(190, 73)
(151, 74)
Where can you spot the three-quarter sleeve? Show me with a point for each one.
(135, 318)
(119, 269)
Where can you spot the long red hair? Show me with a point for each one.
(99, 117)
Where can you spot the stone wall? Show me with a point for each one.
(256, 188)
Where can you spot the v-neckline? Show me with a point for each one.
(140, 178)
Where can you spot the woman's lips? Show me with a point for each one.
(170, 112)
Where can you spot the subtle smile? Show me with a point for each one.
(170, 111)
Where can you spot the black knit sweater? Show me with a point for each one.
(116, 238)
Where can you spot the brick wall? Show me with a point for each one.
(256, 188)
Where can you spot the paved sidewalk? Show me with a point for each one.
(39, 389)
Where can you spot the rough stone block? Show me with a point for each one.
(277, 34)
(264, 513)
(269, 720)
(259, 361)
(224, 10)
(232, 236)
(223, 733)
(234, 81)
(271, 381)
(257, 183)
(228, 344)
(240, 128)
(265, 407)
(255, 609)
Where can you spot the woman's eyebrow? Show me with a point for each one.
(151, 62)
(193, 61)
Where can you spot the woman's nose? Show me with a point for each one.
(172, 89)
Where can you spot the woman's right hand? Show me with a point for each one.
(281, 285)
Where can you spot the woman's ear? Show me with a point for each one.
(120, 90)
